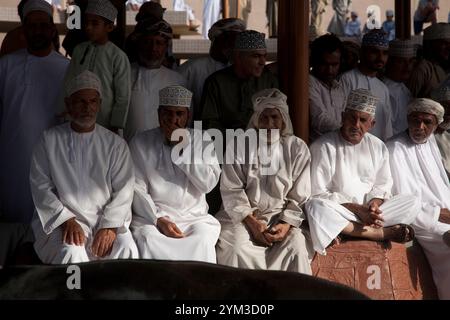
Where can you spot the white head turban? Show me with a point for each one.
(85, 80)
(175, 96)
(402, 48)
(362, 100)
(102, 8)
(427, 106)
(271, 99)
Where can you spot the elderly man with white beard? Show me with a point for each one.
(82, 182)
(262, 217)
(417, 169)
(351, 182)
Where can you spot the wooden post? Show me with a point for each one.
(225, 9)
(403, 19)
(237, 13)
(293, 60)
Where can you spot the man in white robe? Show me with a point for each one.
(318, 8)
(171, 220)
(149, 76)
(326, 97)
(262, 217)
(337, 24)
(442, 134)
(374, 55)
(241, 9)
(211, 13)
(417, 169)
(222, 35)
(351, 183)
(402, 56)
(82, 182)
(30, 94)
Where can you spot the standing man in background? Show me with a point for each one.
(241, 9)
(30, 91)
(317, 10)
(337, 23)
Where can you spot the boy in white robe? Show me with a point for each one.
(351, 183)
(107, 61)
(417, 169)
(170, 213)
(262, 217)
(82, 185)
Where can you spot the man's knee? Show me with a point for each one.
(235, 243)
(205, 232)
(297, 243)
(125, 247)
(71, 254)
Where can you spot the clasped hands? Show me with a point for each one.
(264, 236)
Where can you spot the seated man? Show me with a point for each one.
(417, 169)
(82, 185)
(263, 207)
(351, 182)
(171, 220)
(442, 134)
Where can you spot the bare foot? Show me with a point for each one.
(399, 233)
